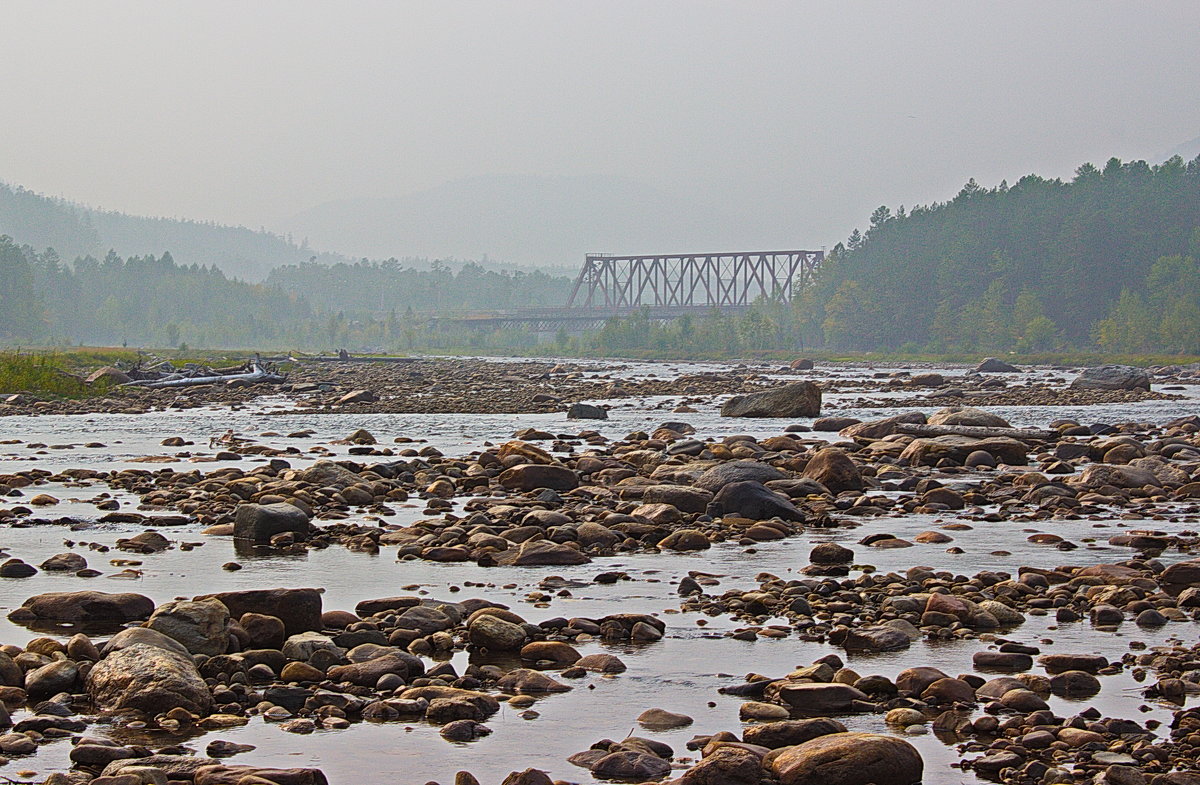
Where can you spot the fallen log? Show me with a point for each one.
(977, 431)
(256, 374)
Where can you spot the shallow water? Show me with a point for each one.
(680, 673)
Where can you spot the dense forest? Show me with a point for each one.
(1038, 265)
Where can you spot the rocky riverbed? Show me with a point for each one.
(296, 590)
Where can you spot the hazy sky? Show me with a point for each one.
(804, 115)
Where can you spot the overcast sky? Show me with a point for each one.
(805, 115)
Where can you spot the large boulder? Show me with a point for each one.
(90, 606)
(201, 626)
(586, 411)
(816, 699)
(756, 501)
(877, 429)
(681, 497)
(109, 375)
(327, 474)
(1112, 377)
(725, 766)
(1097, 475)
(967, 415)
(261, 522)
(834, 469)
(150, 679)
(799, 399)
(928, 452)
(992, 365)
(788, 733)
(534, 476)
(222, 774)
(541, 553)
(298, 609)
(495, 634)
(850, 759)
(722, 474)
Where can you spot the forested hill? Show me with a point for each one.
(1108, 258)
(74, 230)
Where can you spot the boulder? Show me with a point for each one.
(967, 415)
(534, 476)
(788, 733)
(149, 679)
(928, 452)
(755, 501)
(537, 553)
(77, 606)
(1112, 377)
(630, 765)
(108, 374)
(327, 474)
(259, 775)
(799, 399)
(298, 609)
(681, 497)
(744, 470)
(850, 759)
(64, 562)
(834, 469)
(261, 522)
(586, 411)
(817, 699)
(201, 626)
(727, 765)
(495, 634)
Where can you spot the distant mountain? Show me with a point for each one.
(75, 230)
(1187, 151)
(522, 219)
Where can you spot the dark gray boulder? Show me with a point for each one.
(261, 522)
(1112, 377)
(800, 399)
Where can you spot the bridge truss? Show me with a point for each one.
(710, 280)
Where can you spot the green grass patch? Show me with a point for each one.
(43, 375)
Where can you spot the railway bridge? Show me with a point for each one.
(666, 287)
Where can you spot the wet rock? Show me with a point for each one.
(529, 681)
(16, 568)
(51, 679)
(495, 634)
(755, 501)
(245, 775)
(1112, 377)
(788, 733)
(834, 469)
(79, 606)
(586, 411)
(681, 497)
(64, 562)
(266, 632)
(527, 777)
(533, 476)
(261, 522)
(966, 415)
(1074, 684)
(849, 759)
(876, 638)
(553, 651)
(630, 765)
(725, 766)
(685, 540)
(535, 553)
(298, 609)
(601, 663)
(201, 626)
(368, 674)
(830, 553)
(150, 679)
(799, 399)
(818, 699)
(661, 719)
(722, 474)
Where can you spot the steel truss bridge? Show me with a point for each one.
(666, 287)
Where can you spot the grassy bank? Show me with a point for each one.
(44, 374)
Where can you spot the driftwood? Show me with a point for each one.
(254, 375)
(977, 431)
